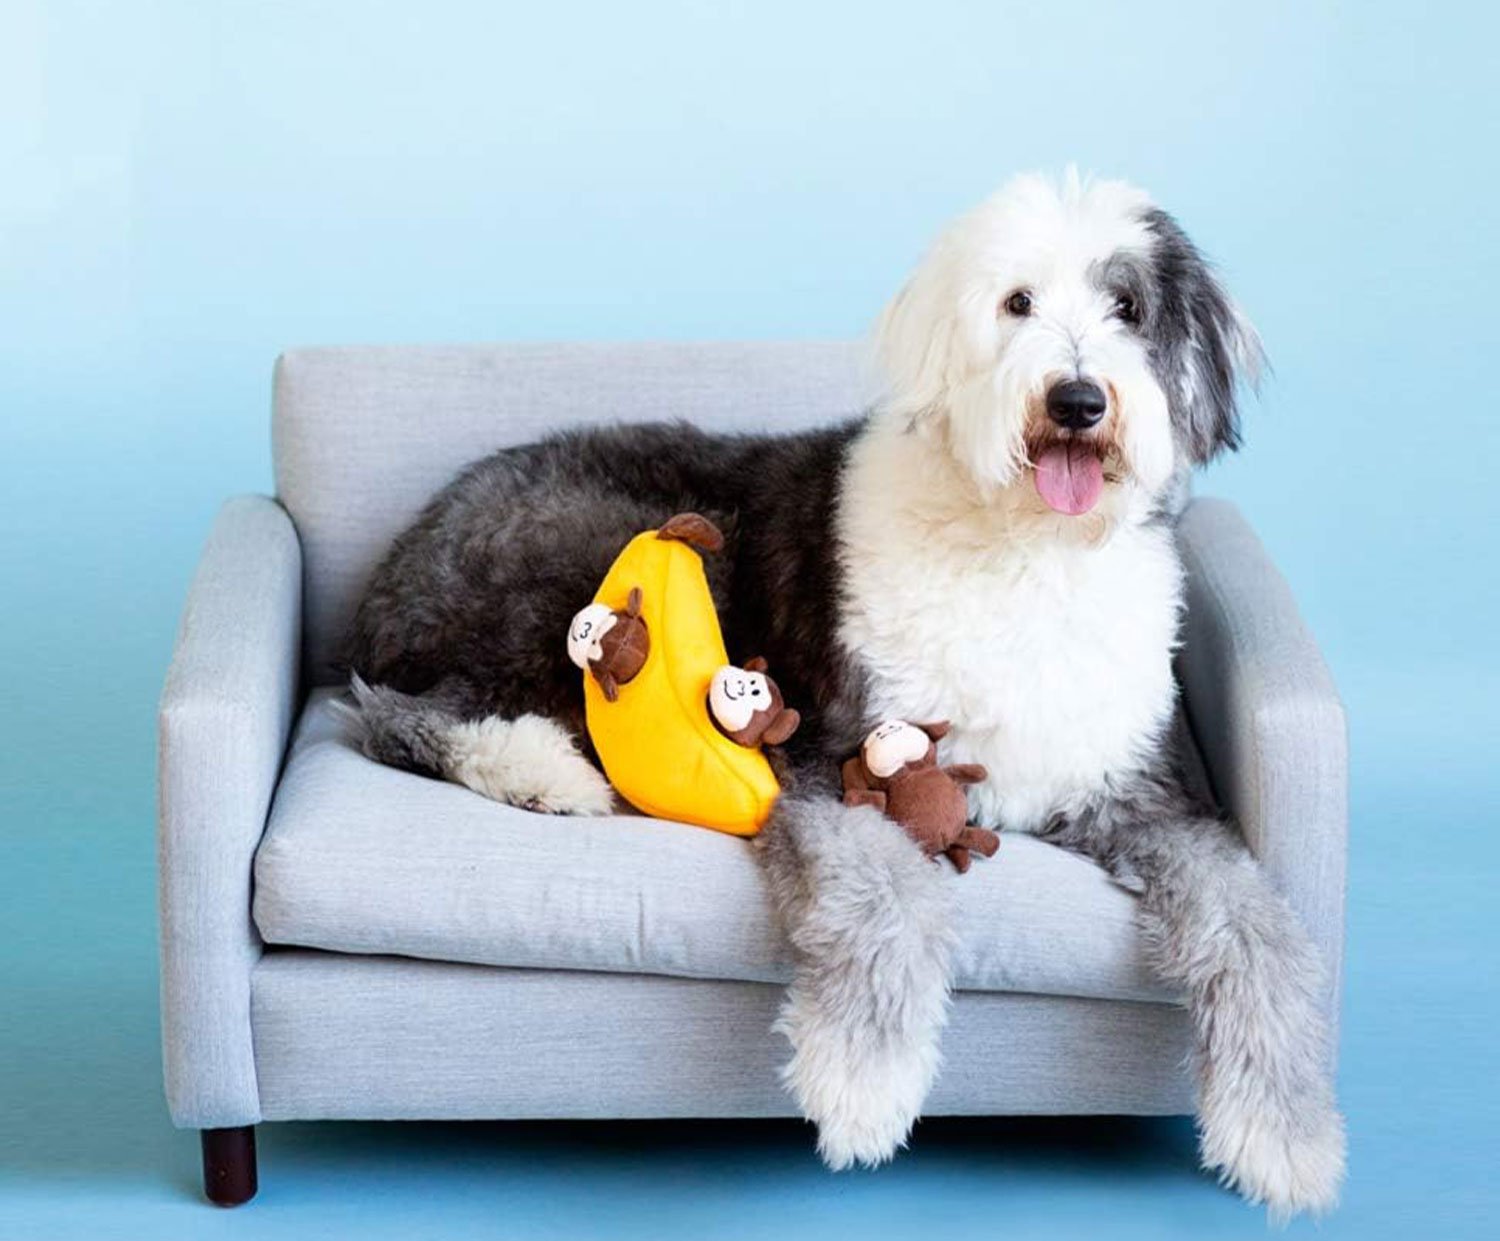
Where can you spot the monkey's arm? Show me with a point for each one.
(966, 773)
(852, 774)
(979, 839)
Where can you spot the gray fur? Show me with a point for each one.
(869, 920)
(1201, 346)
(1214, 928)
(404, 730)
(471, 604)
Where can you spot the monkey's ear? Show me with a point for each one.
(936, 730)
(610, 687)
(633, 603)
(782, 727)
(758, 664)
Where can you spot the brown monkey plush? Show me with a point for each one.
(610, 643)
(747, 707)
(897, 772)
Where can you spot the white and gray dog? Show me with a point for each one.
(989, 545)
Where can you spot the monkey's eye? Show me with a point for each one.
(1127, 309)
(1018, 304)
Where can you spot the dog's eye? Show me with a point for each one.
(1018, 304)
(1127, 310)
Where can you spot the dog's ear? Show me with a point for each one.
(1204, 345)
(916, 344)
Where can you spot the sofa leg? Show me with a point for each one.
(229, 1165)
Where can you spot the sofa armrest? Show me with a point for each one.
(223, 724)
(1267, 719)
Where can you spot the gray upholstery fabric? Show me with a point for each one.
(363, 437)
(363, 858)
(1268, 719)
(224, 719)
(382, 1038)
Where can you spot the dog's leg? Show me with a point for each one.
(867, 915)
(1267, 1118)
(530, 761)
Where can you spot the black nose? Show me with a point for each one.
(1076, 404)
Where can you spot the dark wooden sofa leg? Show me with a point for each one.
(229, 1165)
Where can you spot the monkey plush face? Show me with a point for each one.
(587, 631)
(735, 695)
(892, 745)
(747, 706)
(612, 644)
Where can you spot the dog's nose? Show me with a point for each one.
(1076, 404)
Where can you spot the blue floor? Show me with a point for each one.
(86, 1150)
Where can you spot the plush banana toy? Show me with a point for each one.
(676, 726)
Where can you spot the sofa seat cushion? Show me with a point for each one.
(362, 858)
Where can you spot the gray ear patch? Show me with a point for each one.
(1202, 347)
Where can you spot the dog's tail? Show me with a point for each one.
(530, 761)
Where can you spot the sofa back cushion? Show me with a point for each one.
(364, 436)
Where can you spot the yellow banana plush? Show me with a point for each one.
(651, 726)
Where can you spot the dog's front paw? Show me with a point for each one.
(864, 1094)
(867, 1132)
(1289, 1163)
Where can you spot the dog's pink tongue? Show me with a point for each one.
(1069, 477)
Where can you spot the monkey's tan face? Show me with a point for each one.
(892, 745)
(734, 696)
(584, 634)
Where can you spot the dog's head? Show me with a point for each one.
(1069, 346)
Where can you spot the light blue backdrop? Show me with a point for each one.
(190, 187)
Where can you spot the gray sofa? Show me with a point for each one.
(342, 940)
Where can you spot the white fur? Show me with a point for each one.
(1051, 654)
(1287, 1171)
(530, 762)
(1046, 639)
(864, 1094)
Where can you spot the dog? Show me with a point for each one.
(990, 544)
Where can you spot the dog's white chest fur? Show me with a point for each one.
(1051, 657)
